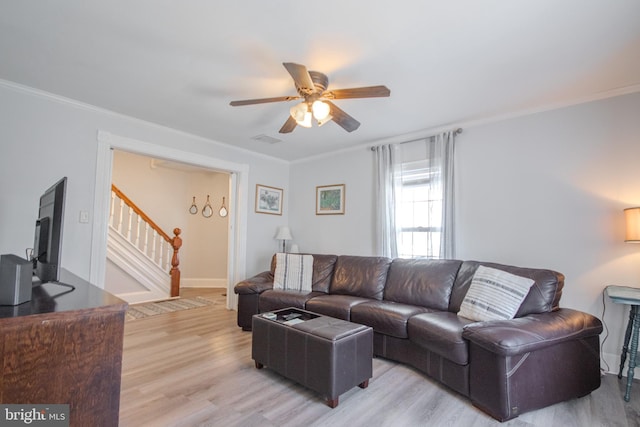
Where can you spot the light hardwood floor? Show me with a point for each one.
(194, 368)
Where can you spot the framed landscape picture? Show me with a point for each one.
(330, 200)
(268, 200)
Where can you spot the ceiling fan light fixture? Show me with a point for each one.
(321, 110)
(325, 120)
(317, 103)
(301, 114)
(299, 111)
(306, 122)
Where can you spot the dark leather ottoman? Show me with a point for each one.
(327, 355)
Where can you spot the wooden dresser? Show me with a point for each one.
(65, 347)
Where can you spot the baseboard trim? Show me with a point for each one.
(203, 283)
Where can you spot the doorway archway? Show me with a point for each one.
(238, 203)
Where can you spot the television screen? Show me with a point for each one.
(47, 245)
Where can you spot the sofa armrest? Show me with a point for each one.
(256, 284)
(532, 332)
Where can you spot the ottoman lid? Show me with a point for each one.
(329, 328)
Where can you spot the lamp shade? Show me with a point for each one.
(298, 111)
(283, 233)
(325, 120)
(301, 114)
(320, 110)
(306, 122)
(632, 219)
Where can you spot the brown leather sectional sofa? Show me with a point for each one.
(545, 355)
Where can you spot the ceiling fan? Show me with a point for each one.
(312, 89)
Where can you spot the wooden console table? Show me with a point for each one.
(64, 347)
(631, 297)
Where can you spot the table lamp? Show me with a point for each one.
(632, 219)
(283, 234)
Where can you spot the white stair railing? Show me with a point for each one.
(130, 222)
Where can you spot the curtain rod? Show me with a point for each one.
(457, 131)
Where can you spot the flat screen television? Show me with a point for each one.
(47, 245)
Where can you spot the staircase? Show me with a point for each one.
(143, 250)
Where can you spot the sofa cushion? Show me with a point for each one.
(276, 299)
(293, 272)
(544, 295)
(423, 282)
(441, 333)
(386, 317)
(494, 295)
(323, 266)
(338, 306)
(360, 276)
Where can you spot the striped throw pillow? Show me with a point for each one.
(494, 295)
(294, 272)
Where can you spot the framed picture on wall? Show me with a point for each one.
(268, 200)
(330, 199)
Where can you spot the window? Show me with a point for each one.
(414, 187)
(419, 212)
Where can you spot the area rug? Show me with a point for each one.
(140, 311)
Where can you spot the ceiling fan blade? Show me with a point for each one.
(289, 125)
(262, 100)
(358, 92)
(345, 121)
(301, 77)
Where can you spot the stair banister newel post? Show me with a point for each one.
(176, 242)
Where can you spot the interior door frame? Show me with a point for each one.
(238, 203)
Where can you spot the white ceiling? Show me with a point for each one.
(447, 63)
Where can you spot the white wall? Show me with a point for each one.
(119, 281)
(348, 234)
(543, 190)
(205, 254)
(43, 138)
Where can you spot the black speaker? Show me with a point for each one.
(15, 280)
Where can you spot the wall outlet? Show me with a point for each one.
(84, 217)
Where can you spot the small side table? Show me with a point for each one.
(631, 297)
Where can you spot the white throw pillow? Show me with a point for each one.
(494, 295)
(294, 272)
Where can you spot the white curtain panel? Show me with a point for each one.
(439, 154)
(386, 184)
(441, 150)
